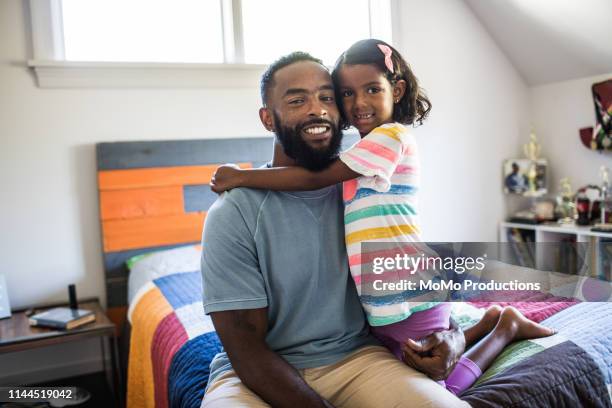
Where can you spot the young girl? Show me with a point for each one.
(378, 94)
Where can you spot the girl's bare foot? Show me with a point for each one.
(519, 327)
(511, 326)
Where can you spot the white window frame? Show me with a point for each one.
(53, 71)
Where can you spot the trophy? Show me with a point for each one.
(605, 177)
(606, 196)
(532, 152)
(566, 208)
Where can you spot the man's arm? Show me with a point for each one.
(437, 354)
(242, 333)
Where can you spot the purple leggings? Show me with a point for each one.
(419, 325)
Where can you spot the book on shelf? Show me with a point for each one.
(568, 257)
(62, 318)
(522, 246)
(604, 271)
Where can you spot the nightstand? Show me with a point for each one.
(16, 334)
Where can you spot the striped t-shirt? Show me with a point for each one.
(381, 207)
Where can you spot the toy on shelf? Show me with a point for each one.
(566, 209)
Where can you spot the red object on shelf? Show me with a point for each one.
(582, 207)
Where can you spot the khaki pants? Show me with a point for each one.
(370, 377)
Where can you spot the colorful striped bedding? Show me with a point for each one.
(172, 343)
(570, 369)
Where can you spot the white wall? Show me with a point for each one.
(480, 113)
(50, 235)
(559, 110)
(50, 219)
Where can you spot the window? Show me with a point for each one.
(222, 34)
(142, 30)
(322, 27)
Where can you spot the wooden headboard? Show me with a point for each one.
(154, 195)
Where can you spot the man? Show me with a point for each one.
(276, 281)
(515, 181)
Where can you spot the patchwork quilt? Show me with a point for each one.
(173, 341)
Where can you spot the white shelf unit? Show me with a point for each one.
(551, 232)
(554, 233)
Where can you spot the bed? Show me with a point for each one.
(153, 197)
(153, 201)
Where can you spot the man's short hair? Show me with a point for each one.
(267, 79)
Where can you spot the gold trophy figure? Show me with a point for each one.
(566, 208)
(532, 152)
(606, 197)
(532, 149)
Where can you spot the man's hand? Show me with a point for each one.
(436, 354)
(243, 335)
(225, 178)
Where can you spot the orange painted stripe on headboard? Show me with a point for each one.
(142, 202)
(134, 233)
(157, 176)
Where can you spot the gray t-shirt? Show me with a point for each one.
(284, 251)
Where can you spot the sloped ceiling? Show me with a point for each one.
(550, 40)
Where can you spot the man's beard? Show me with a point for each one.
(296, 147)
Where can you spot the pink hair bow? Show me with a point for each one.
(386, 50)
